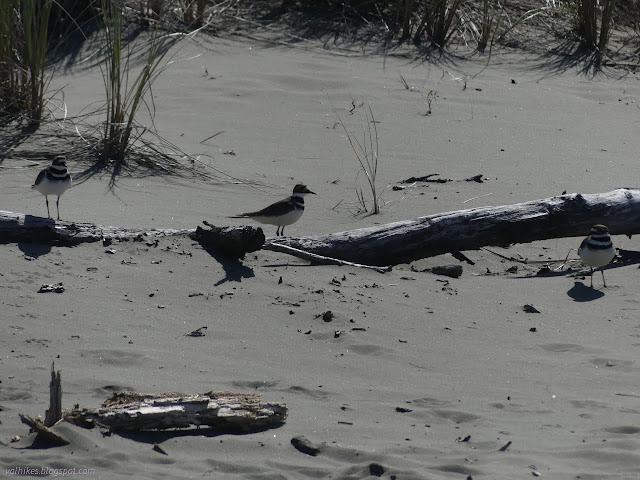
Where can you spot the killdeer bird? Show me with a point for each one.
(53, 180)
(282, 213)
(597, 250)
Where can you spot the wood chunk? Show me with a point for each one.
(376, 469)
(18, 227)
(530, 308)
(54, 413)
(227, 411)
(45, 434)
(51, 287)
(505, 446)
(233, 242)
(159, 449)
(452, 271)
(303, 445)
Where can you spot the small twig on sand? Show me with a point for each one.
(475, 198)
(524, 261)
(312, 257)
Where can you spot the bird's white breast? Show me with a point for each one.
(282, 221)
(49, 187)
(597, 257)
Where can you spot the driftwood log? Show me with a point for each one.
(18, 227)
(234, 242)
(225, 411)
(403, 242)
(399, 242)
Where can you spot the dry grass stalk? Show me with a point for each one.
(124, 99)
(366, 153)
(23, 54)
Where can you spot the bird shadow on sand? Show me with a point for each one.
(34, 250)
(41, 243)
(233, 268)
(582, 293)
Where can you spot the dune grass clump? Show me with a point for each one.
(125, 97)
(437, 22)
(479, 24)
(587, 23)
(23, 55)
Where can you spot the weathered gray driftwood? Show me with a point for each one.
(234, 242)
(402, 242)
(18, 227)
(45, 434)
(54, 413)
(318, 259)
(220, 410)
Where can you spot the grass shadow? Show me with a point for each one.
(12, 138)
(569, 54)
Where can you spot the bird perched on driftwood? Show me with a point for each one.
(282, 213)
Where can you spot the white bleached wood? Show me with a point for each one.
(221, 410)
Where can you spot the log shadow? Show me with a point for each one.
(159, 436)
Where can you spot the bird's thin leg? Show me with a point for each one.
(591, 277)
(58, 206)
(47, 200)
(603, 280)
(282, 231)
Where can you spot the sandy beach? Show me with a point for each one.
(415, 375)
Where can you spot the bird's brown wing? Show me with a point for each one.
(279, 208)
(40, 177)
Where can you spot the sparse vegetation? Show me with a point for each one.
(429, 98)
(23, 53)
(25, 43)
(366, 153)
(124, 99)
(443, 23)
(587, 22)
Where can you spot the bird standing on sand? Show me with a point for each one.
(53, 180)
(597, 250)
(283, 212)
